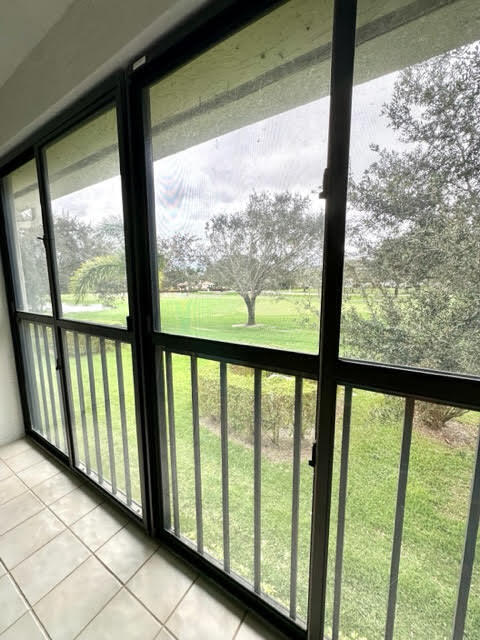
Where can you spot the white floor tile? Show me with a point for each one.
(49, 565)
(19, 543)
(56, 487)
(205, 614)
(24, 460)
(15, 511)
(123, 618)
(161, 583)
(82, 594)
(125, 553)
(25, 628)
(75, 505)
(164, 635)
(10, 488)
(14, 448)
(5, 472)
(12, 605)
(38, 473)
(99, 525)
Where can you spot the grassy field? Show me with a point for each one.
(437, 493)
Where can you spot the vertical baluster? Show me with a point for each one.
(297, 442)
(257, 479)
(196, 453)
(468, 552)
(123, 420)
(68, 378)
(224, 446)
(399, 514)
(93, 400)
(163, 444)
(81, 401)
(108, 416)
(32, 390)
(53, 404)
(42, 382)
(172, 440)
(342, 504)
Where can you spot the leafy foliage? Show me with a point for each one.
(278, 394)
(266, 246)
(102, 275)
(415, 224)
(179, 259)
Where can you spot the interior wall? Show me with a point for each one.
(11, 419)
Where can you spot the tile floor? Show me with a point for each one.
(74, 567)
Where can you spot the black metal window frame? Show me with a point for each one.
(125, 90)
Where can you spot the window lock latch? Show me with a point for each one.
(324, 192)
(313, 459)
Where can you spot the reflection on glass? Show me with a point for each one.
(25, 230)
(412, 274)
(86, 196)
(437, 481)
(238, 139)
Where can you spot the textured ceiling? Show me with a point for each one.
(23, 23)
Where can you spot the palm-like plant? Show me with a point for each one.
(104, 276)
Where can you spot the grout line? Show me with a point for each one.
(39, 548)
(240, 625)
(29, 607)
(94, 554)
(25, 519)
(10, 499)
(181, 600)
(30, 447)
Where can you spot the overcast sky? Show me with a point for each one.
(286, 151)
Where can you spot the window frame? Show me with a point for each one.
(205, 28)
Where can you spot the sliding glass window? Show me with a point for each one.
(412, 277)
(23, 216)
(238, 141)
(86, 202)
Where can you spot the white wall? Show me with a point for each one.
(11, 420)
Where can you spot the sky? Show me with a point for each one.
(286, 151)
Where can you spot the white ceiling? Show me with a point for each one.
(23, 23)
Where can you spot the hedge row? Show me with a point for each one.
(278, 393)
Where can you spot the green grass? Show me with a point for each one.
(222, 316)
(437, 493)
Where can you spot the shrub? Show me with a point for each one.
(278, 393)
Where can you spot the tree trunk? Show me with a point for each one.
(250, 302)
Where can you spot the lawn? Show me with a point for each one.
(437, 493)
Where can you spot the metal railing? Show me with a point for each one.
(100, 388)
(200, 431)
(337, 568)
(43, 382)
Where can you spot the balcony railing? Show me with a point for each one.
(239, 482)
(100, 388)
(43, 382)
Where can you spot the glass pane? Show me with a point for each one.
(437, 494)
(86, 196)
(412, 278)
(43, 383)
(219, 484)
(25, 234)
(238, 142)
(102, 402)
